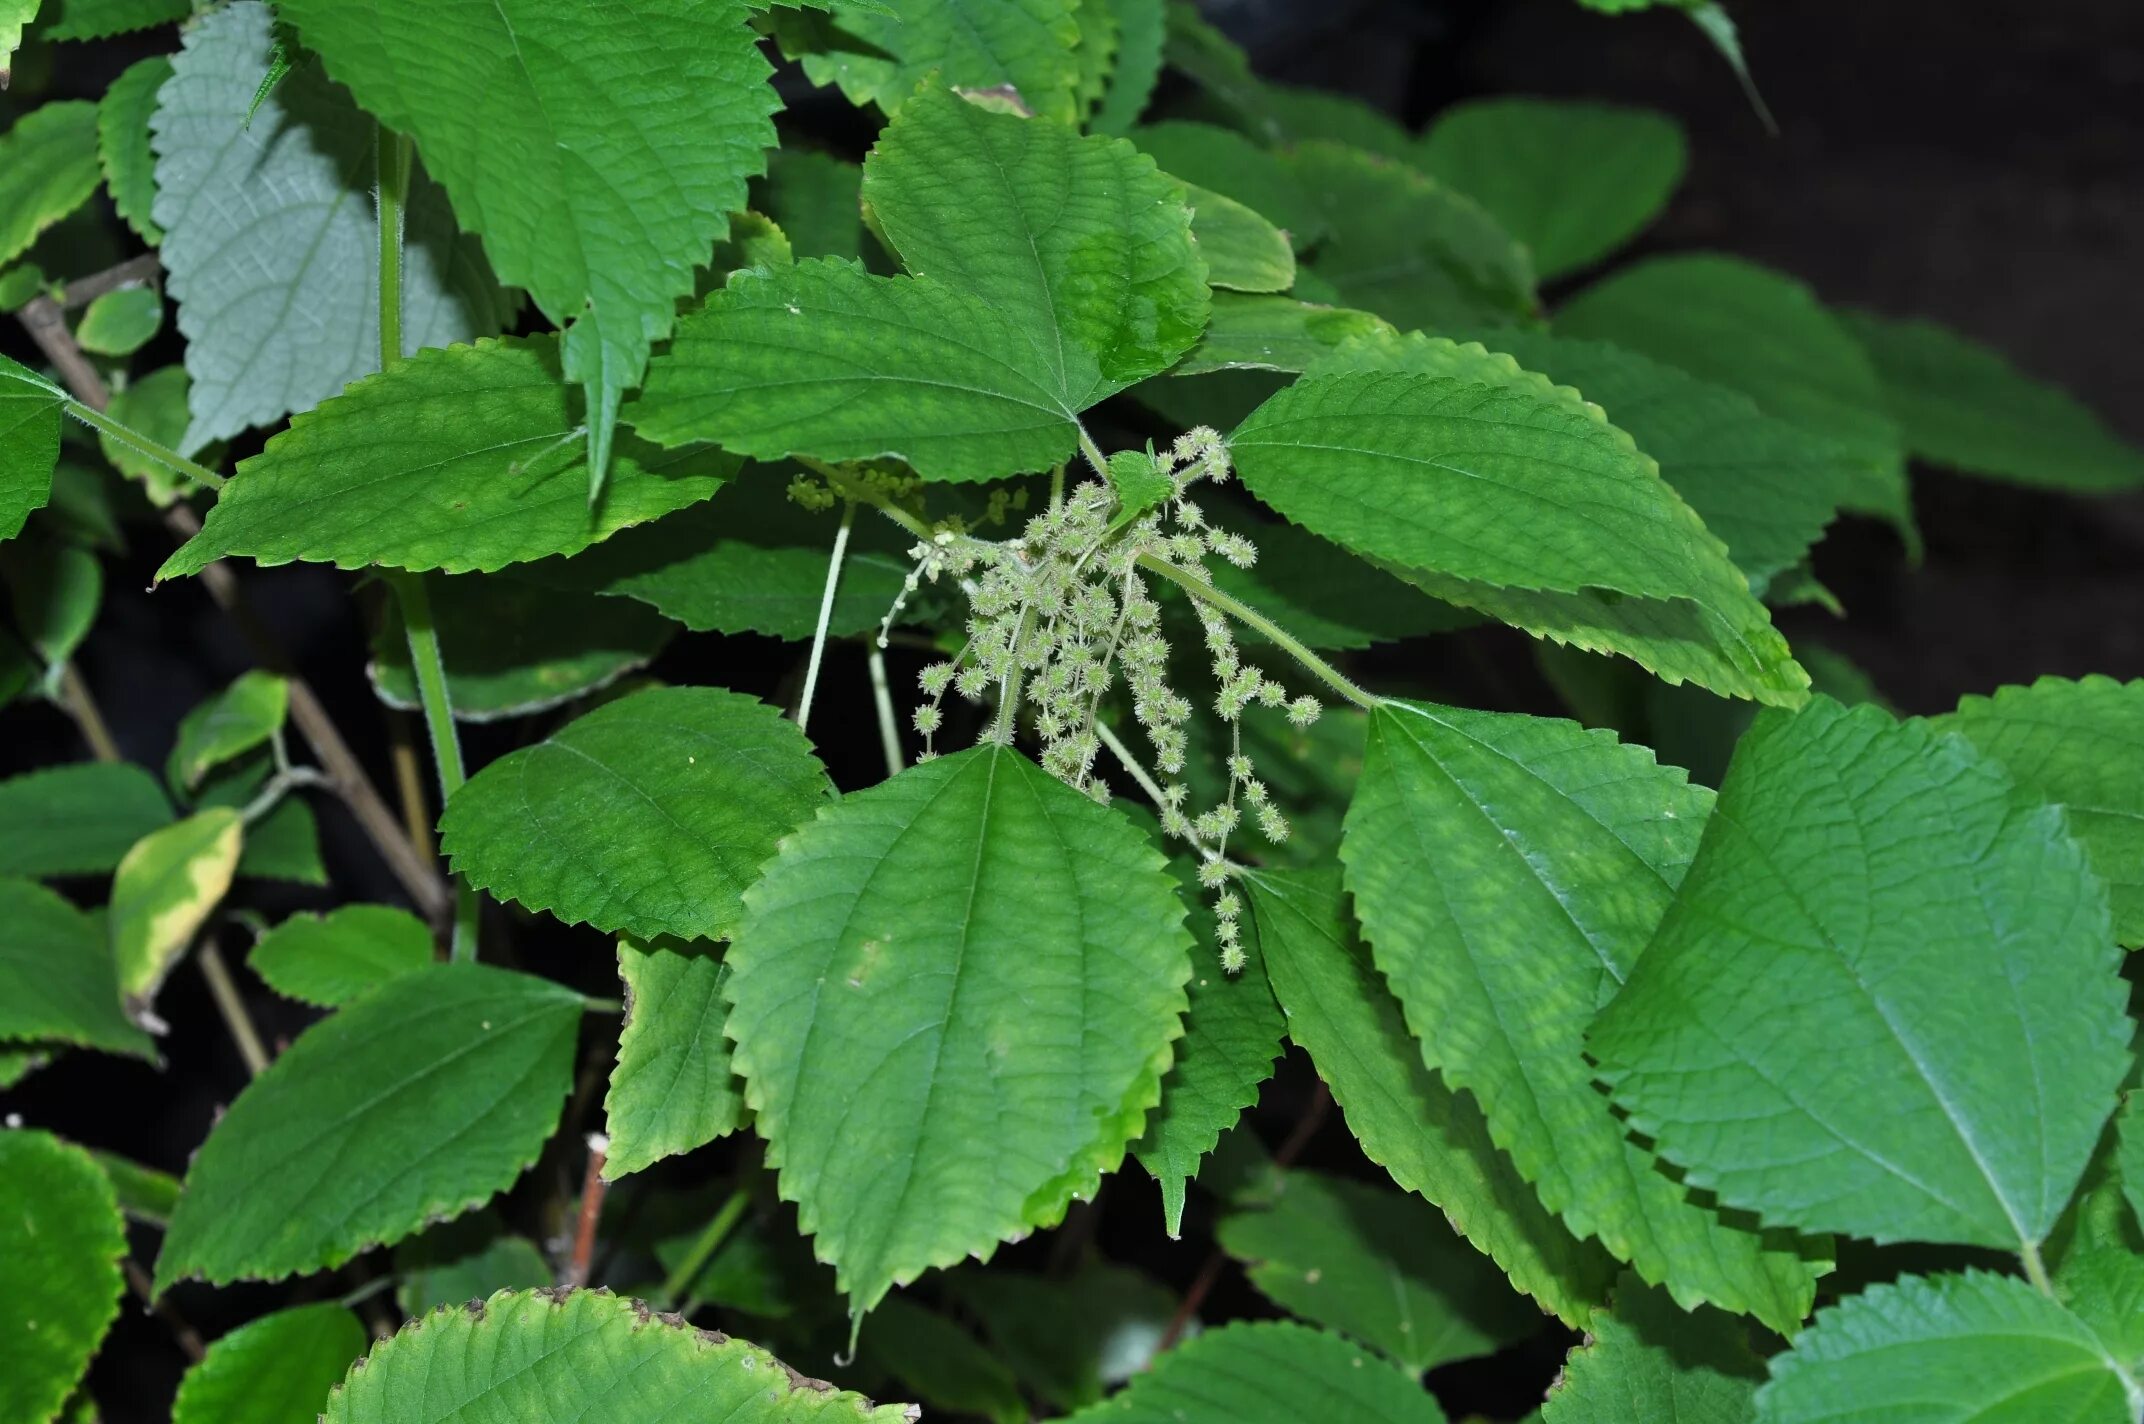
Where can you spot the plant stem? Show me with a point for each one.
(703, 1248)
(826, 613)
(88, 719)
(189, 1339)
(142, 445)
(135, 271)
(889, 731)
(224, 990)
(394, 193)
(289, 779)
(431, 674)
(593, 1188)
(409, 781)
(1251, 618)
(2035, 1268)
(854, 489)
(1092, 451)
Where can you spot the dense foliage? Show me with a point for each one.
(1108, 432)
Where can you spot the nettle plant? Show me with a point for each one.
(1099, 432)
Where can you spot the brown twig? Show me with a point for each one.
(47, 325)
(88, 719)
(189, 1340)
(134, 271)
(593, 1188)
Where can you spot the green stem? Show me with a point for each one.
(855, 489)
(1251, 618)
(431, 674)
(1092, 451)
(826, 613)
(2035, 1268)
(703, 1249)
(889, 732)
(394, 194)
(142, 445)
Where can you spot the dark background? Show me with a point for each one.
(1975, 163)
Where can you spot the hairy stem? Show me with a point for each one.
(1251, 618)
(889, 731)
(1129, 760)
(394, 196)
(431, 674)
(704, 1247)
(142, 445)
(826, 613)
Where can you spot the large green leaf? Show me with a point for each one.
(466, 459)
(1029, 46)
(30, 409)
(333, 958)
(1509, 871)
(650, 814)
(1954, 1349)
(164, 891)
(48, 168)
(1267, 1373)
(816, 197)
(672, 1089)
(417, 1102)
(530, 1355)
(57, 982)
(1963, 405)
(273, 1370)
(1573, 181)
(79, 819)
(1230, 164)
(123, 147)
(270, 240)
(1761, 333)
(1433, 1141)
(823, 359)
(1790, 1038)
(1646, 1362)
(228, 724)
(2080, 745)
(61, 1240)
(598, 160)
(960, 986)
(1379, 1266)
(1403, 245)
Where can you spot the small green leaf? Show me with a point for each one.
(1242, 250)
(1795, 960)
(1141, 26)
(1225, 162)
(61, 1240)
(53, 592)
(1433, 1141)
(101, 19)
(818, 200)
(284, 845)
(29, 443)
(1647, 1362)
(119, 323)
(417, 1102)
(2079, 745)
(1573, 181)
(164, 891)
(57, 983)
(145, 1194)
(123, 147)
(940, 1363)
(153, 406)
(1069, 1339)
(243, 716)
(463, 1260)
(672, 1089)
(1972, 1348)
(272, 1370)
(1963, 405)
(512, 647)
(466, 459)
(48, 168)
(962, 984)
(1379, 1266)
(1028, 46)
(1267, 333)
(270, 239)
(79, 819)
(2104, 1287)
(650, 814)
(331, 959)
(1267, 1373)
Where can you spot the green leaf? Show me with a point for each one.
(1379, 1266)
(1795, 961)
(61, 1240)
(1267, 1373)
(1972, 1348)
(1433, 1141)
(1761, 333)
(417, 1102)
(243, 716)
(1232, 1034)
(2129, 1150)
(14, 14)
(466, 459)
(464, 1260)
(1963, 405)
(2104, 1287)
(270, 240)
(1555, 853)
(119, 323)
(19, 283)
(153, 406)
(602, 164)
(1265, 333)
(1242, 250)
(672, 1089)
(1573, 181)
(513, 647)
(940, 1363)
(1323, 595)
(29, 444)
(1766, 486)
(1078, 239)
(962, 984)
(53, 591)
(525, 1354)
(817, 198)
(48, 168)
(57, 982)
(1402, 245)
(1225, 162)
(1030, 46)
(145, 1194)
(78, 819)
(2079, 745)
(1141, 26)
(123, 147)
(1095, 53)
(331, 959)
(272, 1370)
(164, 891)
(284, 845)
(1647, 1362)
(101, 19)
(650, 814)
(822, 359)
(1069, 1339)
